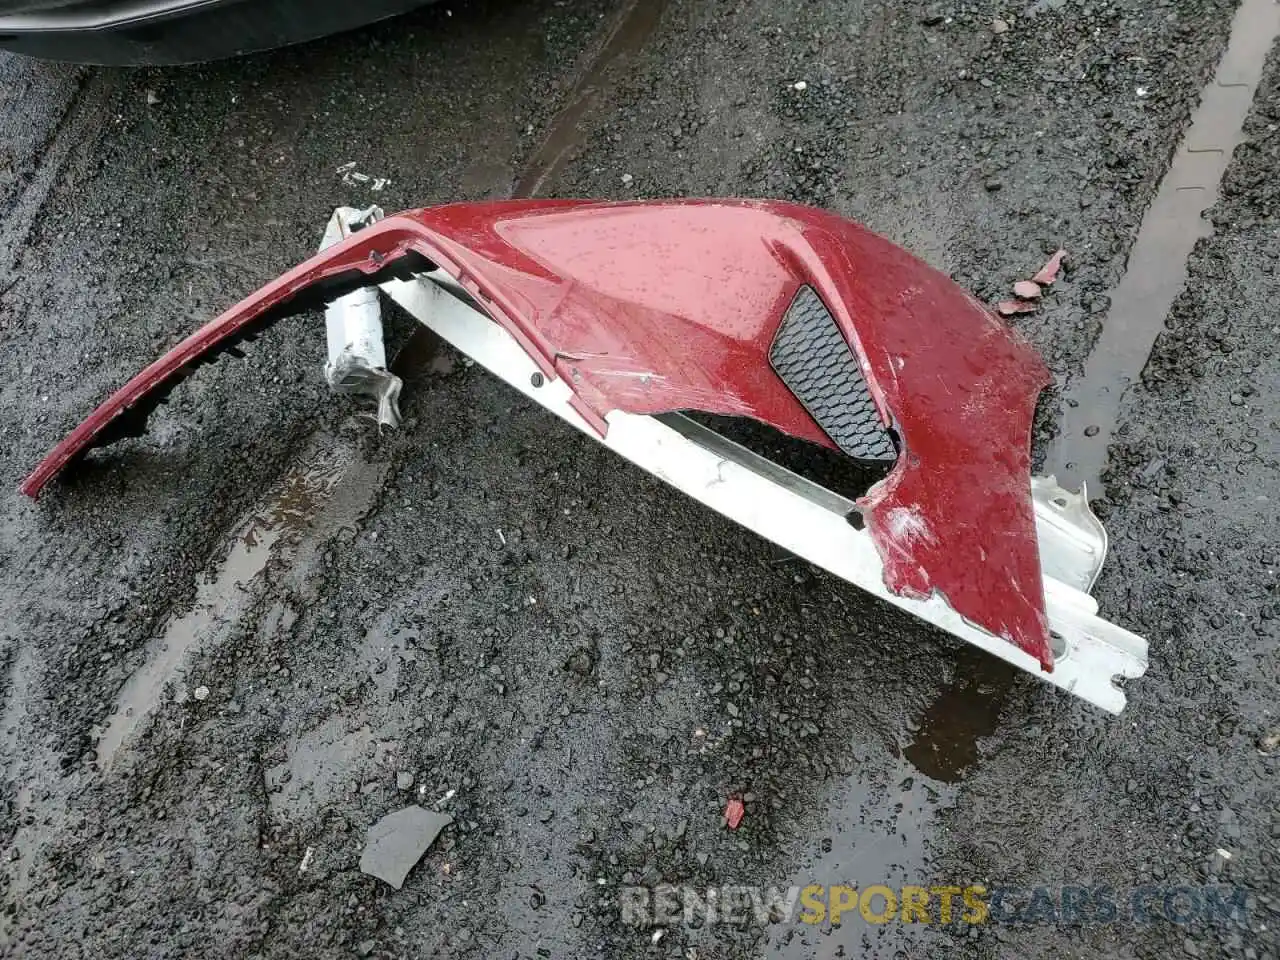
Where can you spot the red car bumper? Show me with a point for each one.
(647, 308)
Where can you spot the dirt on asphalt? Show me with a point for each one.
(226, 648)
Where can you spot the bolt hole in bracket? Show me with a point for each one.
(1090, 653)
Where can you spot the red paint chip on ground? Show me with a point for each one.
(1049, 272)
(734, 811)
(1008, 308)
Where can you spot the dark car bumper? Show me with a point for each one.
(176, 31)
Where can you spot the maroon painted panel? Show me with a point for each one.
(653, 307)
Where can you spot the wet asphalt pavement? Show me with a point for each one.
(229, 647)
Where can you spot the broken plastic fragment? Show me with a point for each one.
(395, 844)
(734, 811)
(1027, 290)
(1049, 272)
(1008, 308)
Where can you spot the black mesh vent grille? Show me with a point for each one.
(811, 357)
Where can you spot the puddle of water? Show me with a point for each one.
(873, 835)
(223, 598)
(321, 764)
(946, 743)
(342, 751)
(1157, 268)
(633, 29)
(879, 834)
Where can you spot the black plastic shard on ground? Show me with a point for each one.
(396, 843)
